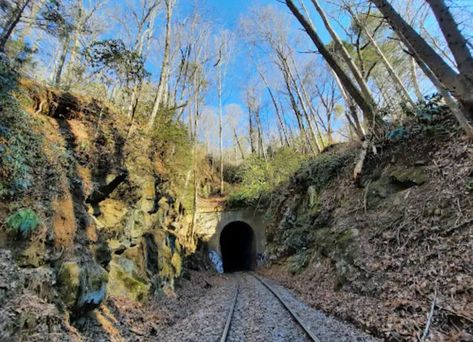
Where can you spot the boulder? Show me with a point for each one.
(82, 286)
(410, 176)
(124, 281)
(69, 283)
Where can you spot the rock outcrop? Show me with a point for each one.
(110, 222)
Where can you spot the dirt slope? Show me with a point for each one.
(379, 255)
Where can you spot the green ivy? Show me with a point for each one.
(23, 222)
(259, 177)
(18, 143)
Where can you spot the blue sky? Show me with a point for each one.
(226, 14)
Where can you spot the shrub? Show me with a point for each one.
(258, 177)
(231, 174)
(23, 222)
(319, 171)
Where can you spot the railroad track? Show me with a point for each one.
(292, 313)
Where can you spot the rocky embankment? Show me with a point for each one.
(381, 253)
(105, 220)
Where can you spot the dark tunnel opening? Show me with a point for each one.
(238, 246)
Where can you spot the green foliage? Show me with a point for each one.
(19, 53)
(427, 113)
(298, 262)
(112, 56)
(231, 174)
(469, 184)
(23, 222)
(259, 176)
(397, 133)
(429, 110)
(18, 143)
(56, 20)
(174, 148)
(319, 171)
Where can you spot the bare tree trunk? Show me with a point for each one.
(79, 28)
(35, 8)
(162, 85)
(296, 110)
(220, 123)
(415, 82)
(252, 131)
(352, 108)
(61, 62)
(397, 81)
(452, 104)
(307, 106)
(276, 108)
(385, 94)
(328, 110)
(259, 126)
(304, 104)
(459, 85)
(346, 57)
(456, 41)
(12, 22)
(371, 117)
(142, 44)
(194, 162)
(237, 139)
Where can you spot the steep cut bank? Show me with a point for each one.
(90, 212)
(393, 255)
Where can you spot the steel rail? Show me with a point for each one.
(294, 315)
(228, 322)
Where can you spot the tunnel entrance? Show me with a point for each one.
(238, 246)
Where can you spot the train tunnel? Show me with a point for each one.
(238, 247)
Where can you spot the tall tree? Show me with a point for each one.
(145, 19)
(13, 18)
(390, 69)
(164, 76)
(346, 57)
(459, 83)
(222, 42)
(372, 119)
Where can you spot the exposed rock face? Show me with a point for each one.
(378, 255)
(26, 311)
(82, 287)
(110, 222)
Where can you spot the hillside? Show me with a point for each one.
(236, 170)
(86, 214)
(380, 254)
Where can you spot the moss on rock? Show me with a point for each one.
(69, 282)
(297, 263)
(124, 284)
(82, 287)
(413, 175)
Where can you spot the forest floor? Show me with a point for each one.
(199, 310)
(120, 319)
(411, 247)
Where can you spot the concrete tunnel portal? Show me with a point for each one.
(238, 247)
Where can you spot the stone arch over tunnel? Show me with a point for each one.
(211, 224)
(238, 247)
